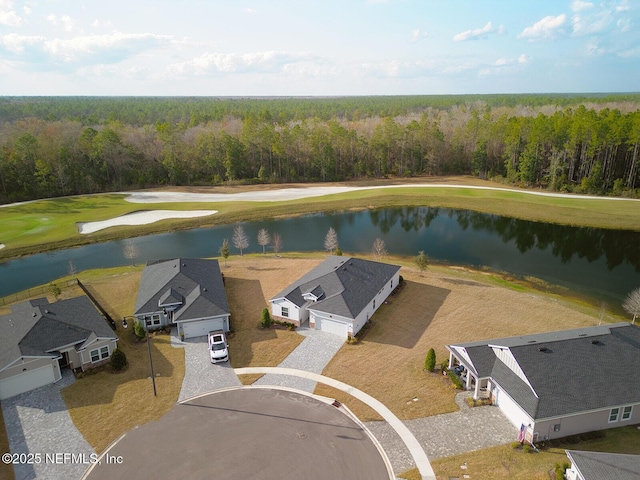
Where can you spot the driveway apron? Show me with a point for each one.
(37, 422)
(200, 375)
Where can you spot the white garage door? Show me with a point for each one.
(26, 381)
(201, 327)
(332, 326)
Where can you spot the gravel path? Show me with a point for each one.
(37, 422)
(312, 355)
(200, 375)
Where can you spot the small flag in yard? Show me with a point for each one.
(521, 433)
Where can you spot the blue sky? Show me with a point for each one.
(322, 47)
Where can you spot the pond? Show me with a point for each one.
(596, 262)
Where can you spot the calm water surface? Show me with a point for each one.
(596, 262)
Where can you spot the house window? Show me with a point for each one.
(285, 312)
(99, 354)
(155, 319)
(626, 413)
(613, 415)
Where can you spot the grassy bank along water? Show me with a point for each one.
(52, 224)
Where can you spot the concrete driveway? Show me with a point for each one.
(200, 375)
(37, 422)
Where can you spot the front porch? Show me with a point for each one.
(479, 387)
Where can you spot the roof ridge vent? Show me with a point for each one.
(596, 342)
(543, 349)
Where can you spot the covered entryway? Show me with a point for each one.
(332, 326)
(26, 381)
(202, 327)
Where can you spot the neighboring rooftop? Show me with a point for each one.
(561, 366)
(39, 328)
(605, 466)
(343, 285)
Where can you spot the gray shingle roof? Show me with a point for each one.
(605, 466)
(196, 282)
(348, 284)
(38, 328)
(562, 366)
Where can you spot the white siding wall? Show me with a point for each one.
(375, 303)
(295, 313)
(314, 316)
(511, 409)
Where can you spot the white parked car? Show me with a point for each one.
(218, 347)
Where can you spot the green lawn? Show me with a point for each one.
(51, 224)
(506, 463)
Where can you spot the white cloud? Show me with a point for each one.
(227, 63)
(633, 52)
(8, 16)
(580, 5)
(545, 28)
(67, 22)
(523, 59)
(42, 54)
(18, 44)
(590, 24)
(478, 33)
(624, 24)
(250, 11)
(417, 34)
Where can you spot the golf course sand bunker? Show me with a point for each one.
(141, 218)
(285, 194)
(1, 246)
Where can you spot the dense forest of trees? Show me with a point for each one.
(63, 146)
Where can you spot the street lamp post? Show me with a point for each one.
(153, 377)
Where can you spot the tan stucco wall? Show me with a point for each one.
(588, 422)
(85, 355)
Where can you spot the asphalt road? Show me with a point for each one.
(248, 433)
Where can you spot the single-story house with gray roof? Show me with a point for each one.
(339, 296)
(602, 466)
(185, 292)
(38, 339)
(556, 384)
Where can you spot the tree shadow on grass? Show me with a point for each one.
(404, 317)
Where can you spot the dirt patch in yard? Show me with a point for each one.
(442, 307)
(250, 283)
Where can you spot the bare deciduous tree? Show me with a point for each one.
(264, 239)
(331, 240)
(131, 251)
(240, 240)
(277, 243)
(379, 249)
(632, 304)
